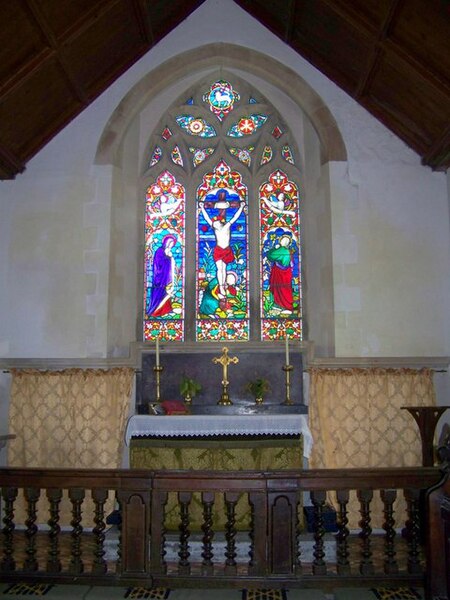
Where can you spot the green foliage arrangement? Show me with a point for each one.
(189, 387)
(258, 388)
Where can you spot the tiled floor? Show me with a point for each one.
(78, 592)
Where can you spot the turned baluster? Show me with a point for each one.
(208, 533)
(412, 497)
(230, 533)
(251, 533)
(31, 497)
(119, 534)
(366, 564)
(318, 500)
(184, 566)
(8, 563)
(390, 563)
(342, 550)
(54, 496)
(76, 496)
(99, 496)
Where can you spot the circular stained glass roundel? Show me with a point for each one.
(196, 126)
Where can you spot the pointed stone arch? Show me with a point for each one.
(227, 56)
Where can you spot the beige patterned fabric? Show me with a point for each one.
(73, 418)
(356, 421)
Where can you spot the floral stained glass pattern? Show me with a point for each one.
(200, 154)
(196, 126)
(243, 154)
(176, 156)
(280, 258)
(221, 98)
(156, 156)
(286, 153)
(247, 125)
(222, 256)
(267, 155)
(164, 259)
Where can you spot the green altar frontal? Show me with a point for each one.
(221, 453)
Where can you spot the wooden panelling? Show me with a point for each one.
(409, 102)
(423, 31)
(20, 41)
(392, 56)
(36, 110)
(65, 16)
(319, 31)
(101, 51)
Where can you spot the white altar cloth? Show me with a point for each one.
(209, 425)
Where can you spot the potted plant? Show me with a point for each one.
(189, 388)
(258, 388)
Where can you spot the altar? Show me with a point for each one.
(225, 428)
(217, 442)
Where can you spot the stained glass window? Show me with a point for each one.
(200, 154)
(166, 134)
(277, 132)
(221, 98)
(266, 155)
(243, 154)
(247, 125)
(222, 219)
(286, 153)
(176, 156)
(196, 126)
(164, 259)
(280, 258)
(222, 264)
(156, 156)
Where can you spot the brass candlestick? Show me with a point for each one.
(158, 370)
(287, 369)
(225, 360)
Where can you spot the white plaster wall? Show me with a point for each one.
(389, 221)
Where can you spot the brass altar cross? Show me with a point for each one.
(225, 360)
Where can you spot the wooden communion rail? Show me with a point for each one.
(146, 553)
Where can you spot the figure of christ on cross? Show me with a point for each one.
(223, 254)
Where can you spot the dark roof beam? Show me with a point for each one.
(366, 78)
(10, 164)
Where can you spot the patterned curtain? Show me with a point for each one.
(356, 421)
(68, 419)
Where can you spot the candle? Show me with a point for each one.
(287, 351)
(157, 351)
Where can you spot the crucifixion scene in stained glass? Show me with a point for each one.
(222, 264)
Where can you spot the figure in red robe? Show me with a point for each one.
(280, 279)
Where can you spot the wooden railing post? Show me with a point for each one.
(282, 511)
(438, 531)
(135, 511)
(258, 549)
